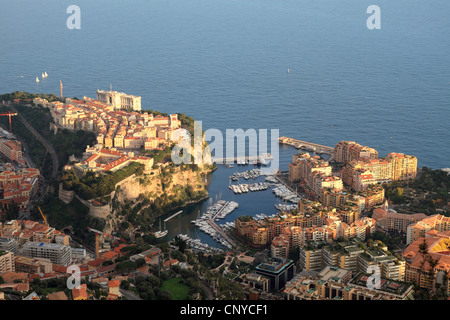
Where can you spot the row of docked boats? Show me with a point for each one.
(260, 160)
(227, 226)
(249, 174)
(204, 226)
(271, 179)
(239, 188)
(198, 245)
(219, 210)
(242, 162)
(285, 207)
(214, 214)
(226, 209)
(286, 194)
(245, 188)
(262, 216)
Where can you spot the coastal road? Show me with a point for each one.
(209, 294)
(46, 144)
(127, 294)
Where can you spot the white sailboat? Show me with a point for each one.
(37, 79)
(160, 233)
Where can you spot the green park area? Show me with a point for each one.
(177, 288)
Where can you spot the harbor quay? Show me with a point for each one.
(221, 232)
(305, 145)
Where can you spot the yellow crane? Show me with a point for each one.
(43, 216)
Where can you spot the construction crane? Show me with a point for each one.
(61, 87)
(9, 114)
(97, 233)
(43, 216)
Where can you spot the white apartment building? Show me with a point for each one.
(119, 100)
(56, 253)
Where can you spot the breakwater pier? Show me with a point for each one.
(308, 146)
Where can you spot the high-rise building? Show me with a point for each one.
(8, 244)
(310, 257)
(278, 271)
(6, 262)
(404, 167)
(346, 151)
(280, 247)
(297, 168)
(56, 253)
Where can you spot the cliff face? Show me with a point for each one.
(167, 186)
(167, 181)
(139, 199)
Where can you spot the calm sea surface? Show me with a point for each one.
(225, 62)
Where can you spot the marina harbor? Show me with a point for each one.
(220, 209)
(215, 212)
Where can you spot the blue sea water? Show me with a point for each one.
(225, 62)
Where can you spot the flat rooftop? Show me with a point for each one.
(332, 273)
(386, 285)
(274, 265)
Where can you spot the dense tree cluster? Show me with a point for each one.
(430, 191)
(93, 185)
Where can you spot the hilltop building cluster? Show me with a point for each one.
(116, 125)
(123, 131)
(99, 159)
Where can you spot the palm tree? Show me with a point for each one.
(423, 251)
